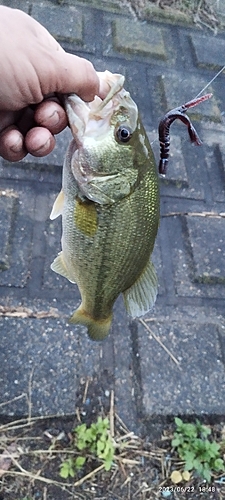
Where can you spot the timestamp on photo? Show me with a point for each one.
(207, 489)
(177, 489)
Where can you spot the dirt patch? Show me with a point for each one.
(32, 449)
(200, 12)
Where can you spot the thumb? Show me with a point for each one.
(71, 74)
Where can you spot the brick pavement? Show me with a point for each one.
(165, 65)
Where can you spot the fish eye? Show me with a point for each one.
(123, 133)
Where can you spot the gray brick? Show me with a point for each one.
(220, 8)
(64, 23)
(213, 144)
(138, 38)
(55, 354)
(184, 174)
(176, 89)
(8, 205)
(198, 387)
(106, 5)
(208, 51)
(177, 172)
(21, 243)
(17, 4)
(207, 238)
(188, 270)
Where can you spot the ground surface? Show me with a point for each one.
(173, 363)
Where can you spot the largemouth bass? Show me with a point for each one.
(109, 204)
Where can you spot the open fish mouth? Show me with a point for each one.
(92, 120)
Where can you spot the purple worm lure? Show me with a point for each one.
(164, 129)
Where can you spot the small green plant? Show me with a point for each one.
(95, 440)
(194, 447)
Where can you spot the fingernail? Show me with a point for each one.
(17, 146)
(43, 148)
(51, 120)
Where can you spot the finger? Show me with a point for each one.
(26, 120)
(72, 74)
(39, 141)
(12, 146)
(51, 115)
(104, 88)
(8, 118)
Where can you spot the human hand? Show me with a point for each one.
(34, 71)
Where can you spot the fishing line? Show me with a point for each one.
(209, 83)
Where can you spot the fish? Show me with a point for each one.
(109, 203)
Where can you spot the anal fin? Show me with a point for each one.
(59, 267)
(141, 296)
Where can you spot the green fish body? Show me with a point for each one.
(110, 209)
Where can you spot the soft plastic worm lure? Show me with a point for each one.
(164, 128)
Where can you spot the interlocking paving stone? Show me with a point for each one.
(208, 51)
(207, 238)
(177, 172)
(8, 204)
(191, 165)
(185, 261)
(52, 358)
(220, 8)
(18, 272)
(138, 38)
(63, 23)
(177, 89)
(23, 4)
(53, 354)
(198, 386)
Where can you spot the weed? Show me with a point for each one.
(94, 440)
(194, 447)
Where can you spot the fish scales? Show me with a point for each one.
(110, 211)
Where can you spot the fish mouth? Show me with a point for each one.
(93, 119)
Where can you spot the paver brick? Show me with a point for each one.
(177, 172)
(208, 51)
(220, 8)
(191, 162)
(177, 89)
(17, 274)
(64, 23)
(53, 355)
(189, 271)
(207, 239)
(8, 203)
(130, 36)
(197, 386)
(23, 4)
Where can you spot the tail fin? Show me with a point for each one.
(98, 329)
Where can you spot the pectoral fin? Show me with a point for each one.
(59, 267)
(58, 206)
(141, 296)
